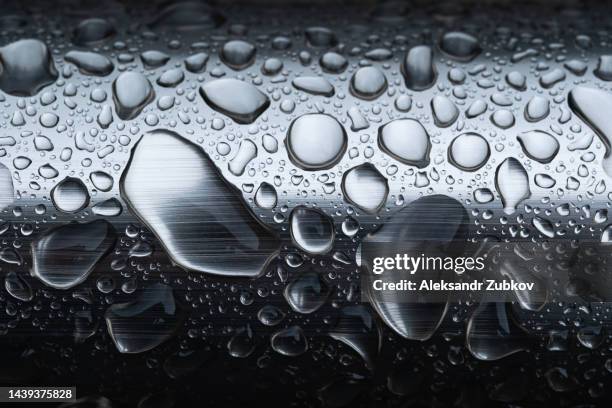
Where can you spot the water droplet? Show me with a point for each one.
(445, 112)
(311, 230)
(132, 92)
(469, 151)
(314, 85)
(459, 45)
(432, 225)
(307, 293)
(101, 180)
(502, 118)
(196, 63)
(92, 31)
(492, 334)
(512, 183)
(171, 78)
(144, 323)
(266, 197)
(270, 315)
(537, 109)
(64, 257)
(418, 68)
(246, 152)
(154, 58)
(27, 67)
(290, 341)
(239, 100)
(368, 83)
(405, 140)
(316, 141)
(333, 63)
(70, 195)
(238, 54)
(230, 242)
(539, 145)
(90, 63)
(364, 187)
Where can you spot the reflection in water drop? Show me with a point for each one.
(405, 140)
(132, 91)
(459, 45)
(27, 67)
(64, 256)
(492, 333)
(70, 195)
(316, 141)
(364, 187)
(418, 68)
(144, 323)
(239, 100)
(312, 230)
(512, 183)
(469, 151)
(539, 145)
(436, 225)
(222, 237)
(357, 328)
(290, 341)
(307, 293)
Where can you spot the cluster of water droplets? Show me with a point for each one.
(197, 166)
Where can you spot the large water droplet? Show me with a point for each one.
(238, 54)
(70, 195)
(492, 334)
(405, 140)
(512, 183)
(90, 63)
(222, 237)
(290, 341)
(459, 45)
(469, 151)
(539, 145)
(239, 100)
(64, 256)
(144, 323)
(436, 225)
(312, 230)
(132, 91)
(316, 141)
(93, 30)
(444, 111)
(26, 67)
(418, 68)
(364, 187)
(368, 83)
(314, 85)
(307, 293)
(593, 106)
